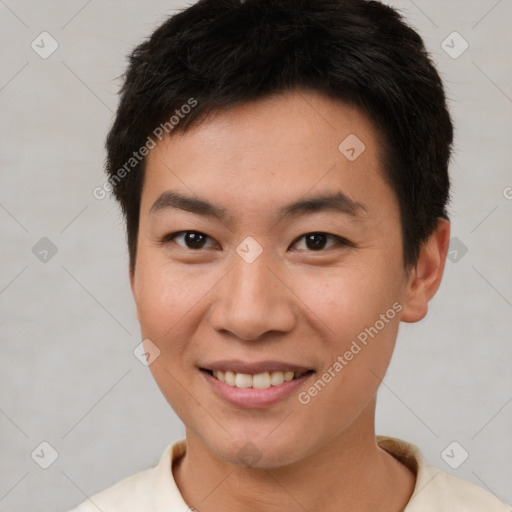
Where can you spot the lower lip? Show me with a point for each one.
(250, 398)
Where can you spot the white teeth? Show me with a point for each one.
(288, 376)
(243, 380)
(258, 381)
(229, 378)
(219, 375)
(276, 378)
(261, 381)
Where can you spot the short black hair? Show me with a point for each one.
(217, 54)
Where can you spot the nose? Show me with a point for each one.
(253, 300)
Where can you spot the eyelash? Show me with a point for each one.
(340, 241)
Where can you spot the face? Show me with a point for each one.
(266, 250)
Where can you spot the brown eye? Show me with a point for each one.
(317, 241)
(190, 239)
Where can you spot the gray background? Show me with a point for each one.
(68, 375)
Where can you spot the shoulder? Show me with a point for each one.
(443, 491)
(435, 490)
(128, 494)
(146, 490)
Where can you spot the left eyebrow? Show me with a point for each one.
(336, 202)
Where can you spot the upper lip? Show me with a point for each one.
(254, 368)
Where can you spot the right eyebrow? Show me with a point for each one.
(171, 199)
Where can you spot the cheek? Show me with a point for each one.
(347, 299)
(171, 299)
(360, 308)
(162, 297)
(362, 328)
(165, 300)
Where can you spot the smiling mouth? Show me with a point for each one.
(261, 380)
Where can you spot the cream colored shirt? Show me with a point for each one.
(155, 490)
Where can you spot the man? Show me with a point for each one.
(282, 167)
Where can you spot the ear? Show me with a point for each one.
(425, 278)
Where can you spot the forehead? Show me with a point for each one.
(270, 152)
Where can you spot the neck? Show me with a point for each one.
(347, 473)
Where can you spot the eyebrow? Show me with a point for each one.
(336, 202)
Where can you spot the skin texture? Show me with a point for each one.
(292, 304)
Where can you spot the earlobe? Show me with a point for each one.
(425, 277)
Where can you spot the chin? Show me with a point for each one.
(258, 452)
